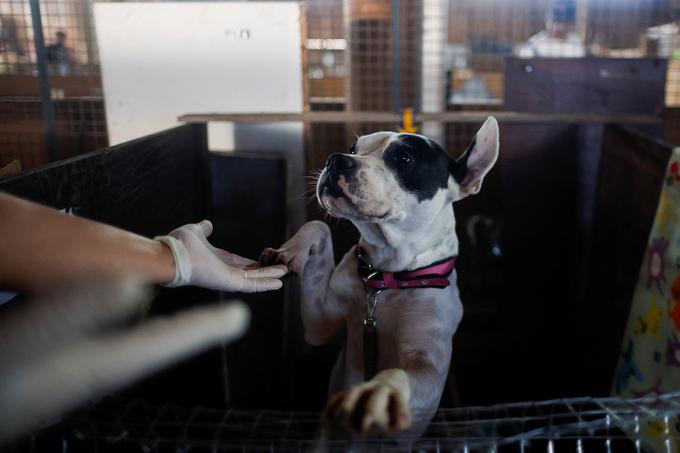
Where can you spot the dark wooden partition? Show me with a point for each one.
(545, 314)
(632, 174)
(586, 85)
(527, 305)
(249, 200)
(148, 186)
(155, 184)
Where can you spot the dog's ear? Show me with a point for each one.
(470, 168)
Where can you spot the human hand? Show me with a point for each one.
(198, 263)
(77, 344)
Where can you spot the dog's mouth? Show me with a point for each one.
(330, 187)
(339, 203)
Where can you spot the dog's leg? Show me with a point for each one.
(379, 406)
(403, 398)
(309, 253)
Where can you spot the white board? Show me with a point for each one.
(162, 60)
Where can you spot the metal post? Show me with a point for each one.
(396, 56)
(435, 21)
(44, 81)
(88, 28)
(347, 24)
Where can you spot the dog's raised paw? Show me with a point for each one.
(270, 257)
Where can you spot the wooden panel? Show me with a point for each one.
(671, 125)
(80, 127)
(148, 186)
(249, 199)
(494, 21)
(468, 116)
(62, 86)
(538, 202)
(587, 85)
(632, 170)
(330, 87)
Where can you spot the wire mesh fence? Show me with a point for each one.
(573, 424)
(377, 55)
(73, 68)
(69, 37)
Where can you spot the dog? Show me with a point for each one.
(392, 300)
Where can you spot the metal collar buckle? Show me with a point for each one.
(371, 301)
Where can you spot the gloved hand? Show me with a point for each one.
(198, 263)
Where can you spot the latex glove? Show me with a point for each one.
(198, 263)
(75, 345)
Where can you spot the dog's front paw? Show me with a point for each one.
(373, 408)
(313, 238)
(294, 261)
(270, 257)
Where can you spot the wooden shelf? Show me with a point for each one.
(445, 117)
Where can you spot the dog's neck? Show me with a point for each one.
(394, 247)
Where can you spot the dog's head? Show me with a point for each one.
(388, 176)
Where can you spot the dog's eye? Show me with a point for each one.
(402, 157)
(353, 149)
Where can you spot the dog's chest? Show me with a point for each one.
(405, 319)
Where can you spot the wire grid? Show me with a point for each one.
(464, 43)
(574, 424)
(80, 127)
(72, 17)
(75, 82)
(450, 53)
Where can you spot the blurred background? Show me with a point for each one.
(355, 56)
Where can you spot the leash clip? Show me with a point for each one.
(371, 302)
(370, 335)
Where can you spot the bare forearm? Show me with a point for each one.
(41, 247)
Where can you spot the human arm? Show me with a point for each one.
(41, 247)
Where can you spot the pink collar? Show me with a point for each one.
(436, 275)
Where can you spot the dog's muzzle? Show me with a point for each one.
(337, 165)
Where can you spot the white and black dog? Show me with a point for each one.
(393, 299)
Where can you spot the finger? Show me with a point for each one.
(70, 312)
(276, 271)
(343, 413)
(233, 259)
(329, 414)
(258, 285)
(206, 227)
(376, 418)
(354, 424)
(88, 369)
(400, 414)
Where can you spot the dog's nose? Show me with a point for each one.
(340, 163)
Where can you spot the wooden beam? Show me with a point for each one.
(395, 118)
